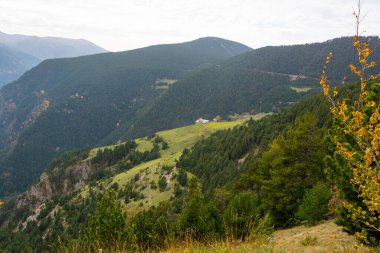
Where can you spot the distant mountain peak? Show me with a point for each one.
(50, 47)
(19, 53)
(230, 47)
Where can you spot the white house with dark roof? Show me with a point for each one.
(201, 121)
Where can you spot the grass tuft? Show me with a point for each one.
(309, 240)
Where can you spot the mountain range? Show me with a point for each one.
(20, 53)
(64, 104)
(76, 102)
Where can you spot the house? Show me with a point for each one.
(217, 118)
(201, 121)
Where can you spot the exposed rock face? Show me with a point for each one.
(37, 194)
(57, 182)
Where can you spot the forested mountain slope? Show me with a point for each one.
(96, 100)
(308, 59)
(224, 156)
(141, 170)
(219, 187)
(262, 80)
(75, 102)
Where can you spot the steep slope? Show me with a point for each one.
(308, 59)
(59, 203)
(13, 63)
(72, 182)
(225, 156)
(76, 102)
(262, 80)
(50, 47)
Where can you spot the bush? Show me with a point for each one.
(182, 177)
(241, 213)
(165, 145)
(314, 206)
(309, 240)
(115, 186)
(162, 184)
(263, 228)
(107, 227)
(199, 219)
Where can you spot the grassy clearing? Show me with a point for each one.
(144, 145)
(185, 137)
(300, 89)
(178, 139)
(150, 172)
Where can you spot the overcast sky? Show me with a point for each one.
(126, 24)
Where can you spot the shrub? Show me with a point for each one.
(107, 228)
(241, 213)
(199, 218)
(263, 228)
(162, 184)
(165, 145)
(309, 240)
(314, 206)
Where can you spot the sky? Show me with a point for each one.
(127, 24)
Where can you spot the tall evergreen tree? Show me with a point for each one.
(292, 164)
(107, 228)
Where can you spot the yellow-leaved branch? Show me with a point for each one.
(356, 135)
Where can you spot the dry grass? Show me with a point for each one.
(220, 247)
(325, 237)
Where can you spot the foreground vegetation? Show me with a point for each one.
(323, 237)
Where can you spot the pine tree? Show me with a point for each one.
(292, 164)
(107, 227)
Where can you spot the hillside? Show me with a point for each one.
(263, 80)
(229, 191)
(101, 99)
(76, 102)
(78, 177)
(20, 53)
(13, 63)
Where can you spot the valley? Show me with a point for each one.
(105, 98)
(206, 145)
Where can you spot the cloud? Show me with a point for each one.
(127, 24)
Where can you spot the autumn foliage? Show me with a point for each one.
(356, 135)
